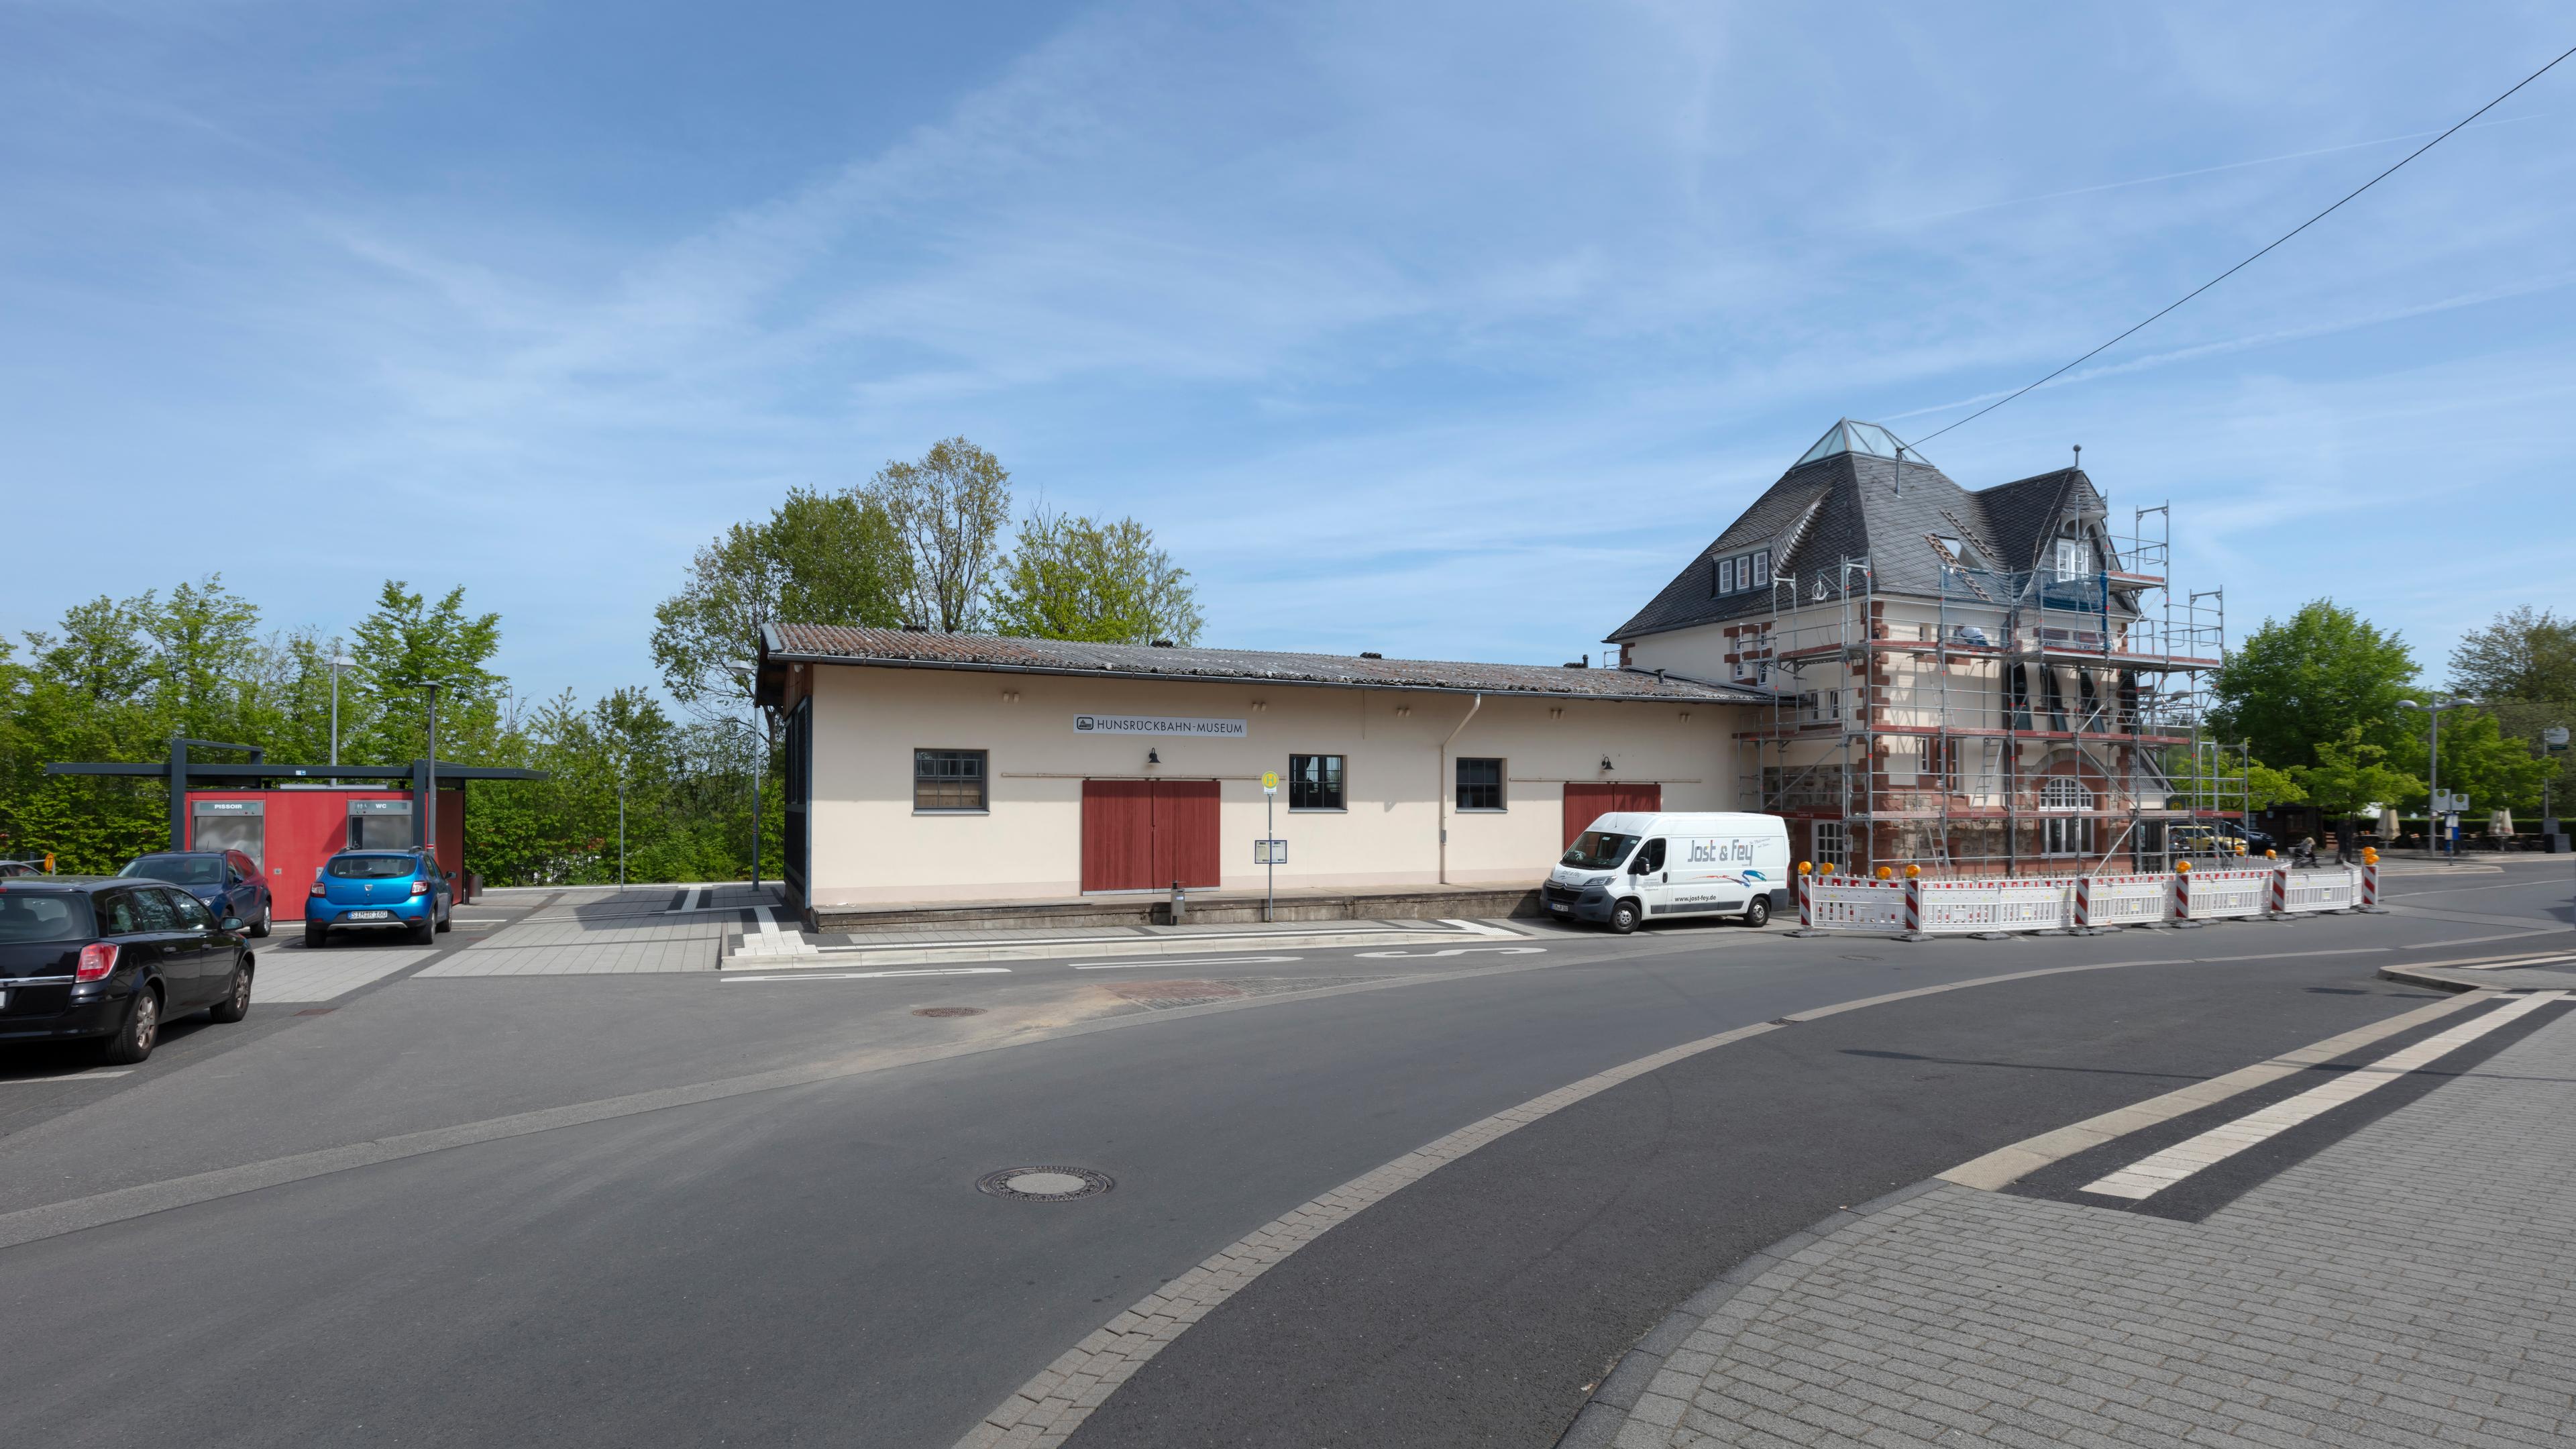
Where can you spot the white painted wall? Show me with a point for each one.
(870, 847)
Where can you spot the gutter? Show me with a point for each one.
(1441, 785)
(1746, 696)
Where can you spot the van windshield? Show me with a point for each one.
(1598, 850)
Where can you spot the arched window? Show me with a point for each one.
(2071, 834)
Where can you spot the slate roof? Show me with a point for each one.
(900, 648)
(1838, 506)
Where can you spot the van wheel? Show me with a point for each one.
(1623, 917)
(1758, 914)
(139, 1032)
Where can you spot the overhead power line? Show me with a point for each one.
(2258, 256)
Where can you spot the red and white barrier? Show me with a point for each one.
(2308, 891)
(2370, 882)
(1846, 903)
(2220, 895)
(2128, 900)
(1924, 906)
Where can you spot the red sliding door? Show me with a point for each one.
(1145, 834)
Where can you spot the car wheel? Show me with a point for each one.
(422, 931)
(236, 1002)
(447, 922)
(1758, 914)
(260, 926)
(316, 935)
(139, 1032)
(1624, 917)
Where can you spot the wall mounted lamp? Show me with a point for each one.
(1153, 757)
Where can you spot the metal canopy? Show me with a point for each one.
(180, 772)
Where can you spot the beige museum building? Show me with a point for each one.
(958, 767)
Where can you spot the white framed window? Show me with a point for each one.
(1726, 576)
(2065, 834)
(1833, 843)
(1761, 570)
(2074, 558)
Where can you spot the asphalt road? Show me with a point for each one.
(717, 1257)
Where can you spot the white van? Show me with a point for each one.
(1627, 869)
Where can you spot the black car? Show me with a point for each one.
(226, 882)
(111, 957)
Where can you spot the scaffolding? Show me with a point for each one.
(2007, 722)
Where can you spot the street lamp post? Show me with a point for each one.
(621, 827)
(425, 828)
(2433, 760)
(759, 740)
(338, 662)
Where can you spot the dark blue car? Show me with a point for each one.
(381, 890)
(225, 882)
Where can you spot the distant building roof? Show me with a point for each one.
(906, 649)
(1847, 499)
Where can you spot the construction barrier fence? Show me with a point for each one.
(1962, 907)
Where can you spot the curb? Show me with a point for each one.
(2448, 978)
(1597, 1426)
(929, 953)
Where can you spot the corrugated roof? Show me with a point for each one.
(901, 648)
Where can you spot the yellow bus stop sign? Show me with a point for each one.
(1269, 779)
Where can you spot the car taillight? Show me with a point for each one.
(97, 959)
(420, 888)
(317, 889)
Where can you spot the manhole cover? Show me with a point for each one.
(1044, 1184)
(950, 1011)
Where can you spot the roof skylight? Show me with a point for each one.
(1869, 439)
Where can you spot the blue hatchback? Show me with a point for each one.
(379, 890)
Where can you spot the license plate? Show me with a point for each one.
(371, 915)
(1562, 910)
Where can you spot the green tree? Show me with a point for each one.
(948, 508)
(2310, 678)
(2524, 666)
(2496, 771)
(2351, 775)
(406, 640)
(1075, 578)
(2523, 655)
(817, 559)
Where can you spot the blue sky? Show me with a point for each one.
(1441, 330)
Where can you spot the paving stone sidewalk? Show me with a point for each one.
(2414, 1283)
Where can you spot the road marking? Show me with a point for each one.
(874, 975)
(66, 1077)
(1455, 951)
(1189, 961)
(1115, 1351)
(2151, 1175)
(2007, 1165)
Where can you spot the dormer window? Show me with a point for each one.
(1742, 572)
(2074, 558)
